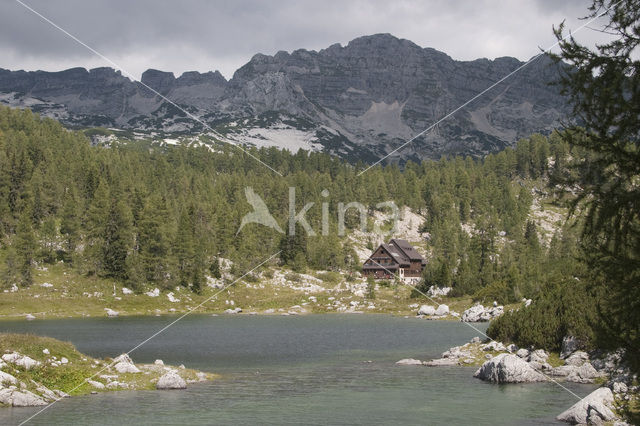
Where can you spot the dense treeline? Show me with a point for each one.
(142, 213)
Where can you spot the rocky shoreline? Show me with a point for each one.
(43, 370)
(500, 363)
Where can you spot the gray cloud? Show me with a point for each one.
(208, 35)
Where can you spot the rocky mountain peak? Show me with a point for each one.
(364, 98)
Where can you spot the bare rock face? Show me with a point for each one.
(508, 368)
(370, 95)
(171, 380)
(595, 408)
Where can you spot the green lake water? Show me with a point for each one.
(314, 369)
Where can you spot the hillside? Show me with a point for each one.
(163, 221)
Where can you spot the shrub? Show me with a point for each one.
(560, 309)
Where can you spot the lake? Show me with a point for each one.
(314, 369)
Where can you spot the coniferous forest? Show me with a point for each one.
(143, 213)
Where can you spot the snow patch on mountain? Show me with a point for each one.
(282, 136)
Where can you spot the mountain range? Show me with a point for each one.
(358, 101)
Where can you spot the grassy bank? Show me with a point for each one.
(57, 368)
(59, 291)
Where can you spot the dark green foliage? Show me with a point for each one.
(563, 308)
(603, 85)
(25, 247)
(163, 216)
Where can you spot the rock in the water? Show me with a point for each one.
(171, 380)
(409, 361)
(595, 408)
(22, 398)
(508, 368)
(442, 362)
(233, 311)
(442, 310)
(426, 310)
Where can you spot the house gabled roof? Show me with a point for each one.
(396, 254)
(407, 249)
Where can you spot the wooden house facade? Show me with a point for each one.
(396, 258)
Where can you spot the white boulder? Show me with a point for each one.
(478, 313)
(95, 384)
(7, 378)
(426, 310)
(594, 408)
(438, 291)
(442, 310)
(508, 368)
(125, 367)
(30, 317)
(171, 380)
(22, 398)
(153, 293)
(125, 290)
(111, 313)
(20, 360)
(577, 358)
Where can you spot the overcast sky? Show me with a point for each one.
(200, 35)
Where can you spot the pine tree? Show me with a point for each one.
(70, 224)
(603, 86)
(25, 247)
(117, 240)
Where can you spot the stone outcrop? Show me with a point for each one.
(171, 380)
(595, 408)
(479, 313)
(507, 368)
